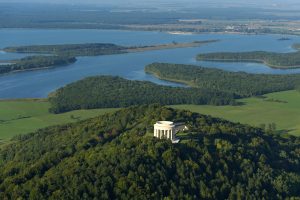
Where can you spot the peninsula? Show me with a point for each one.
(239, 84)
(271, 59)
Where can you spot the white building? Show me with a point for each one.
(168, 130)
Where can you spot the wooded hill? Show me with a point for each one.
(115, 157)
(116, 92)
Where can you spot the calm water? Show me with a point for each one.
(131, 66)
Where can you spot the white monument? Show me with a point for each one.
(168, 130)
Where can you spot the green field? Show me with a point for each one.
(24, 116)
(282, 108)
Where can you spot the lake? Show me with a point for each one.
(39, 83)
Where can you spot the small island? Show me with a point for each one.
(271, 59)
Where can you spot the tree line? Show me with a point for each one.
(272, 59)
(74, 50)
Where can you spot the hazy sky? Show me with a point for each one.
(217, 3)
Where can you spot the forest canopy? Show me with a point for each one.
(239, 84)
(207, 86)
(115, 157)
(115, 92)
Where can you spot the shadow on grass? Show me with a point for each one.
(240, 104)
(2, 142)
(14, 119)
(260, 97)
(284, 131)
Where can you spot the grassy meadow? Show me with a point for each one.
(27, 115)
(281, 108)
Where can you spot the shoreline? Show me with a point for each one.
(185, 83)
(35, 69)
(147, 30)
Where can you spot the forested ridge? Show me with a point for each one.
(272, 59)
(36, 62)
(116, 92)
(115, 157)
(240, 84)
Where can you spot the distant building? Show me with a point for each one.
(168, 130)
